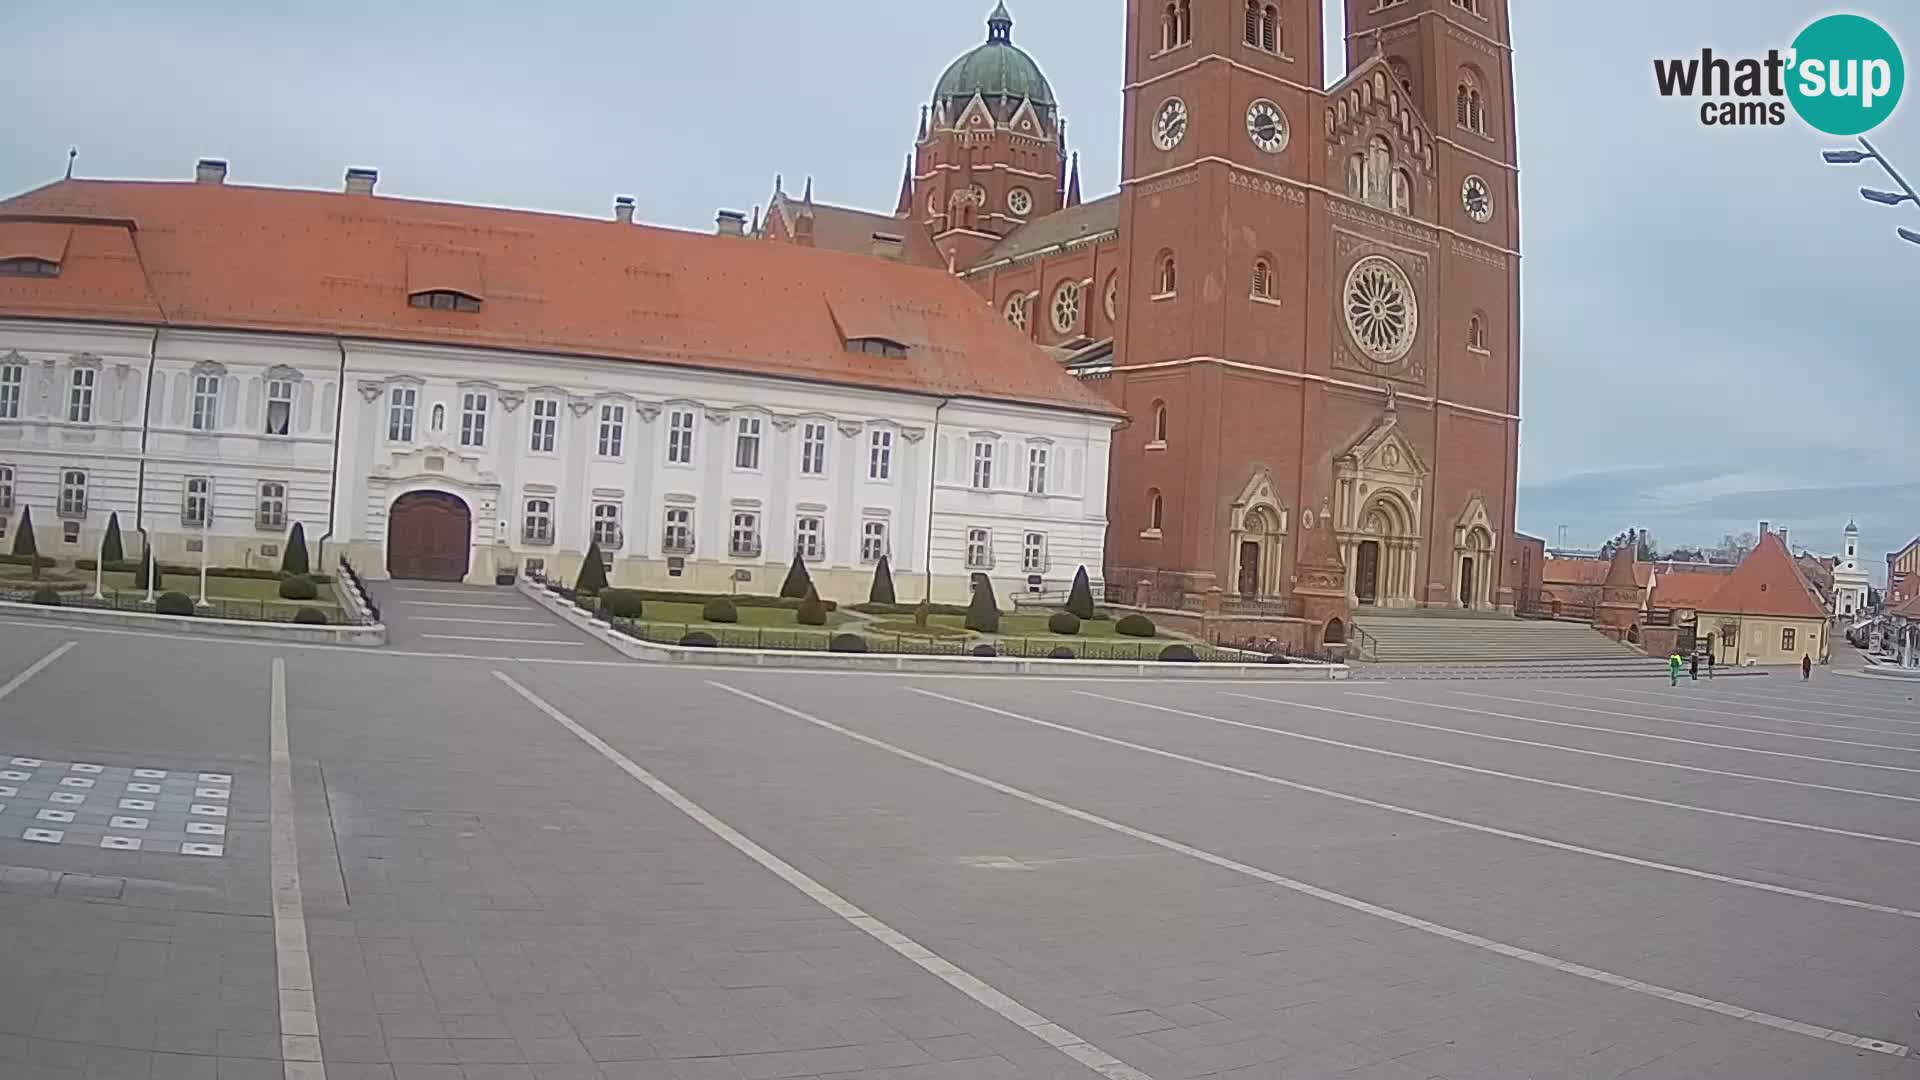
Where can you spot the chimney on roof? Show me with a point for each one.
(730, 223)
(361, 181)
(1783, 540)
(888, 245)
(1766, 527)
(623, 209)
(210, 170)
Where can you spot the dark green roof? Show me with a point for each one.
(996, 69)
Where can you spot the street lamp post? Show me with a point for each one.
(1906, 194)
(206, 531)
(100, 569)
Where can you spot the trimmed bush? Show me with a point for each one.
(140, 574)
(799, 583)
(46, 596)
(298, 587)
(174, 603)
(983, 614)
(1064, 622)
(882, 590)
(593, 571)
(1277, 658)
(720, 610)
(307, 616)
(1178, 654)
(622, 603)
(24, 544)
(812, 612)
(1134, 625)
(1080, 599)
(699, 639)
(294, 561)
(113, 549)
(1061, 652)
(41, 561)
(847, 643)
(985, 650)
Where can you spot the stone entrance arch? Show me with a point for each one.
(1378, 484)
(429, 536)
(1474, 558)
(1383, 552)
(1257, 524)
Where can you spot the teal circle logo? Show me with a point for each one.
(1847, 75)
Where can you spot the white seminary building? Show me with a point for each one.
(446, 391)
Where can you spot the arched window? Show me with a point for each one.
(1270, 29)
(1156, 510)
(1402, 192)
(1253, 22)
(1470, 105)
(1262, 286)
(1477, 334)
(1183, 22)
(1357, 176)
(1460, 113)
(1160, 422)
(1379, 169)
(1170, 27)
(1167, 279)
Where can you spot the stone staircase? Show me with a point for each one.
(1439, 637)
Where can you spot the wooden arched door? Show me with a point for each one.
(429, 537)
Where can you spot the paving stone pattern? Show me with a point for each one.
(164, 811)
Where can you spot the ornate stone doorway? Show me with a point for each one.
(1473, 557)
(1378, 488)
(1257, 524)
(1466, 581)
(1249, 580)
(1366, 574)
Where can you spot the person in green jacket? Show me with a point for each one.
(1673, 666)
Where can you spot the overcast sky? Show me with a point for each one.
(1717, 329)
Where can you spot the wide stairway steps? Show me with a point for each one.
(1458, 638)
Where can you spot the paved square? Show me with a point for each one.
(89, 803)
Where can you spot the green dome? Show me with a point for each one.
(997, 69)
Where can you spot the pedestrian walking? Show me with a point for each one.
(1673, 667)
(1806, 667)
(1709, 665)
(1695, 667)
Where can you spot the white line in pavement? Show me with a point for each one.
(1351, 903)
(299, 1016)
(35, 668)
(405, 604)
(1363, 748)
(443, 592)
(1046, 1030)
(1582, 751)
(1692, 723)
(1666, 702)
(481, 622)
(1763, 703)
(504, 640)
(1630, 734)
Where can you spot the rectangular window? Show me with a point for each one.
(537, 526)
(746, 448)
(194, 507)
(206, 402)
(546, 424)
(979, 549)
(873, 541)
(73, 493)
(746, 535)
(80, 396)
(983, 465)
(6, 487)
(678, 539)
(473, 419)
(279, 406)
(613, 430)
(880, 456)
(813, 450)
(1787, 638)
(12, 378)
(1037, 470)
(1033, 554)
(273, 505)
(401, 404)
(810, 538)
(680, 438)
(606, 525)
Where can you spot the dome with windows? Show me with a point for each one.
(998, 71)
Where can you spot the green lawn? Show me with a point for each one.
(238, 590)
(673, 613)
(1027, 626)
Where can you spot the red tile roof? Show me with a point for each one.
(233, 257)
(1587, 572)
(1686, 589)
(1767, 583)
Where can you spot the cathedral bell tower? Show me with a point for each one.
(991, 152)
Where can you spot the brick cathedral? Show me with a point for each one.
(1305, 297)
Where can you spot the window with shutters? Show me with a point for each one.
(1262, 285)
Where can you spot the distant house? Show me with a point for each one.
(1765, 612)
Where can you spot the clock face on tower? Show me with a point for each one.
(1170, 124)
(1477, 198)
(1267, 126)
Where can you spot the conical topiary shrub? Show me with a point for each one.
(24, 543)
(140, 572)
(593, 572)
(113, 549)
(798, 582)
(295, 560)
(983, 613)
(882, 590)
(1080, 599)
(812, 612)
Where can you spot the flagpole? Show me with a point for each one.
(206, 529)
(149, 546)
(100, 569)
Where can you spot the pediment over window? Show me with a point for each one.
(437, 462)
(1385, 449)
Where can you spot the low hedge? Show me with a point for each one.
(1134, 625)
(698, 639)
(298, 587)
(847, 643)
(668, 596)
(129, 566)
(1064, 622)
(720, 610)
(46, 597)
(985, 650)
(307, 616)
(1061, 652)
(174, 603)
(908, 609)
(1182, 654)
(622, 603)
(41, 561)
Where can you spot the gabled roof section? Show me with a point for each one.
(440, 269)
(232, 257)
(843, 228)
(44, 240)
(1366, 450)
(1086, 223)
(1768, 584)
(101, 274)
(1361, 96)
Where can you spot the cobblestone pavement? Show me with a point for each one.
(554, 865)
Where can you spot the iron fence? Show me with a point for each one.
(136, 600)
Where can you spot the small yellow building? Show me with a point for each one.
(1766, 612)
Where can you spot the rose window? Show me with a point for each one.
(1017, 311)
(1382, 314)
(1066, 308)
